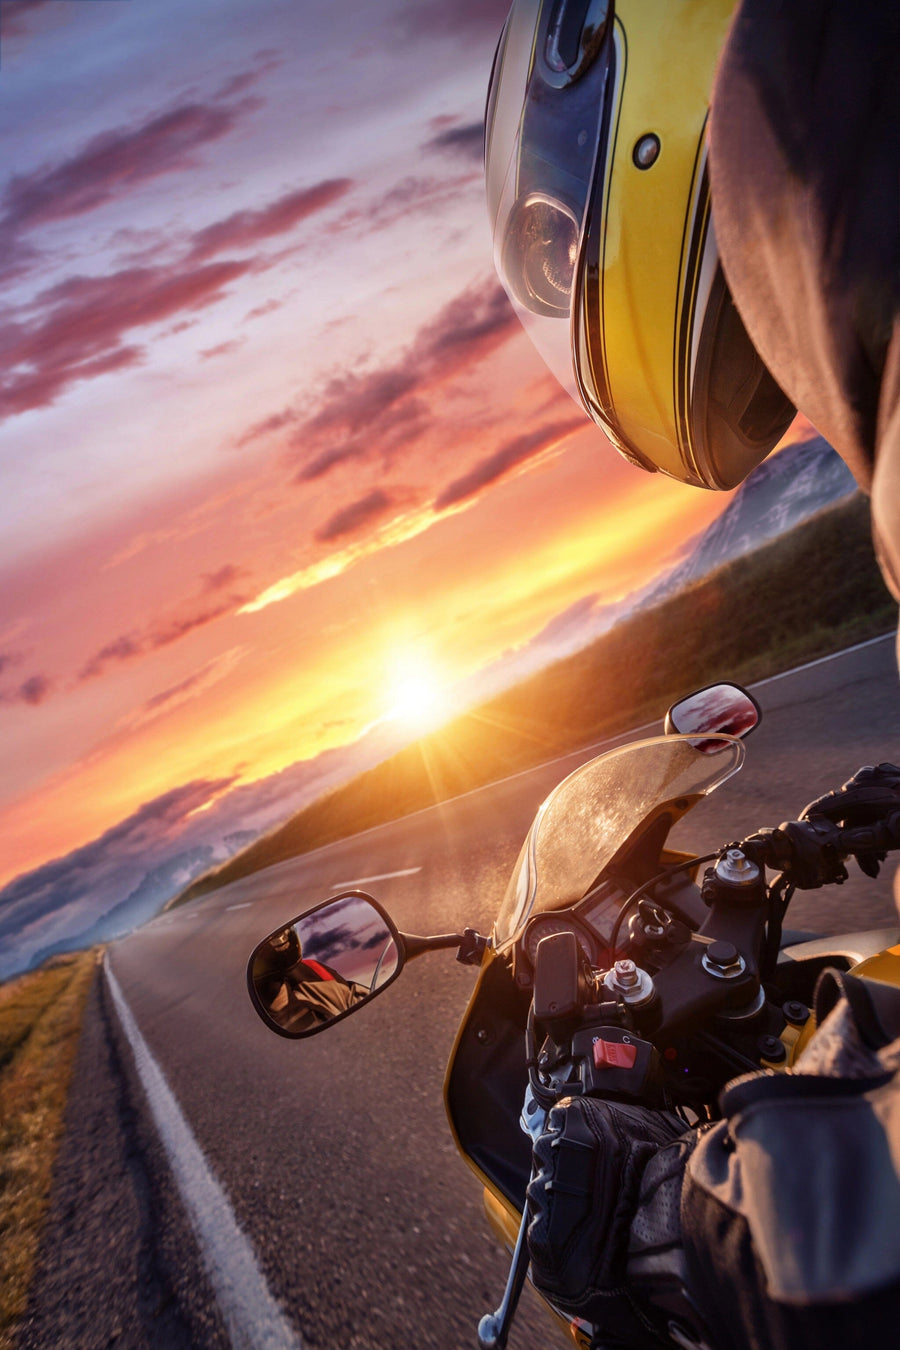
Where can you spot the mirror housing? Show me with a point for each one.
(718, 708)
(324, 964)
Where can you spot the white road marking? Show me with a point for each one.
(252, 1317)
(245, 904)
(382, 876)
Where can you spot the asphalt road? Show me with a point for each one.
(333, 1153)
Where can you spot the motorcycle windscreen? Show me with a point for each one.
(591, 816)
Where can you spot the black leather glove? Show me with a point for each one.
(870, 798)
(589, 1165)
(861, 818)
(872, 794)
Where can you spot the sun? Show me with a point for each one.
(417, 697)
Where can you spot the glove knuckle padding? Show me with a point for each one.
(863, 798)
(588, 1168)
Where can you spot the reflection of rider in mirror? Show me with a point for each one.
(300, 994)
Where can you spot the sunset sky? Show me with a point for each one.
(272, 443)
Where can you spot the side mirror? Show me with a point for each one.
(723, 708)
(324, 965)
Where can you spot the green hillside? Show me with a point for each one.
(813, 591)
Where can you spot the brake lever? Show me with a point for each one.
(494, 1328)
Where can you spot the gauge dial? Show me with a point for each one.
(547, 925)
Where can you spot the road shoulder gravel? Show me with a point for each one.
(117, 1263)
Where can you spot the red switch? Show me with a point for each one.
(614, 1054)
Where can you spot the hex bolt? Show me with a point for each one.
(626, 974)
(736, 868)
(795, 1011)
(771, 1048)
(722, 953)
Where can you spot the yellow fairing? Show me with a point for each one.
(654, 223)
(884, 967)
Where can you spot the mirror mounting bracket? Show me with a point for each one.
(471, 948)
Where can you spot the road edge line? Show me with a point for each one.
(253, 1318)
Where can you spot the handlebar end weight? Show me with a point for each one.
(489, 1333)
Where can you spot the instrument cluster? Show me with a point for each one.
(591, 920)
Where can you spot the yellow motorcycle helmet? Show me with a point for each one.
(597, 187)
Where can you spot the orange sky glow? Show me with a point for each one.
(270, 430)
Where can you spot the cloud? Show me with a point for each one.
(102, 865)
(469, 327)
(185, 690)
(267, 307)
(377, 415)
(131, 646)
(274, 422)
(114, 163)
(222, 349)
(467, 141)
(505, 460)
(246, 229)
(351, 518)
(225, 576)
(173, 630)
(14, 15)
(372, 415)
(353, 402)
(32, 691)
(76, 329)
(425, 196)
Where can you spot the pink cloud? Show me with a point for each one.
(164, 631)
(113, 163)
(504, 460)
(245, 229)
(77, 333)
(222, 349)
(372, 415)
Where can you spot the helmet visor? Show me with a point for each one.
(544, 112)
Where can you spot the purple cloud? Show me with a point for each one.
(104, 862)
(31, 691)
(467, 141)
(221, 349)
(113, 163)
(359, 513)
(225, 576)
(374, 415)
(14, 15)
(504, 460)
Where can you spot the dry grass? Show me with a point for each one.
(40, 1019)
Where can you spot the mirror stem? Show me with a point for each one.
(416, 946)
